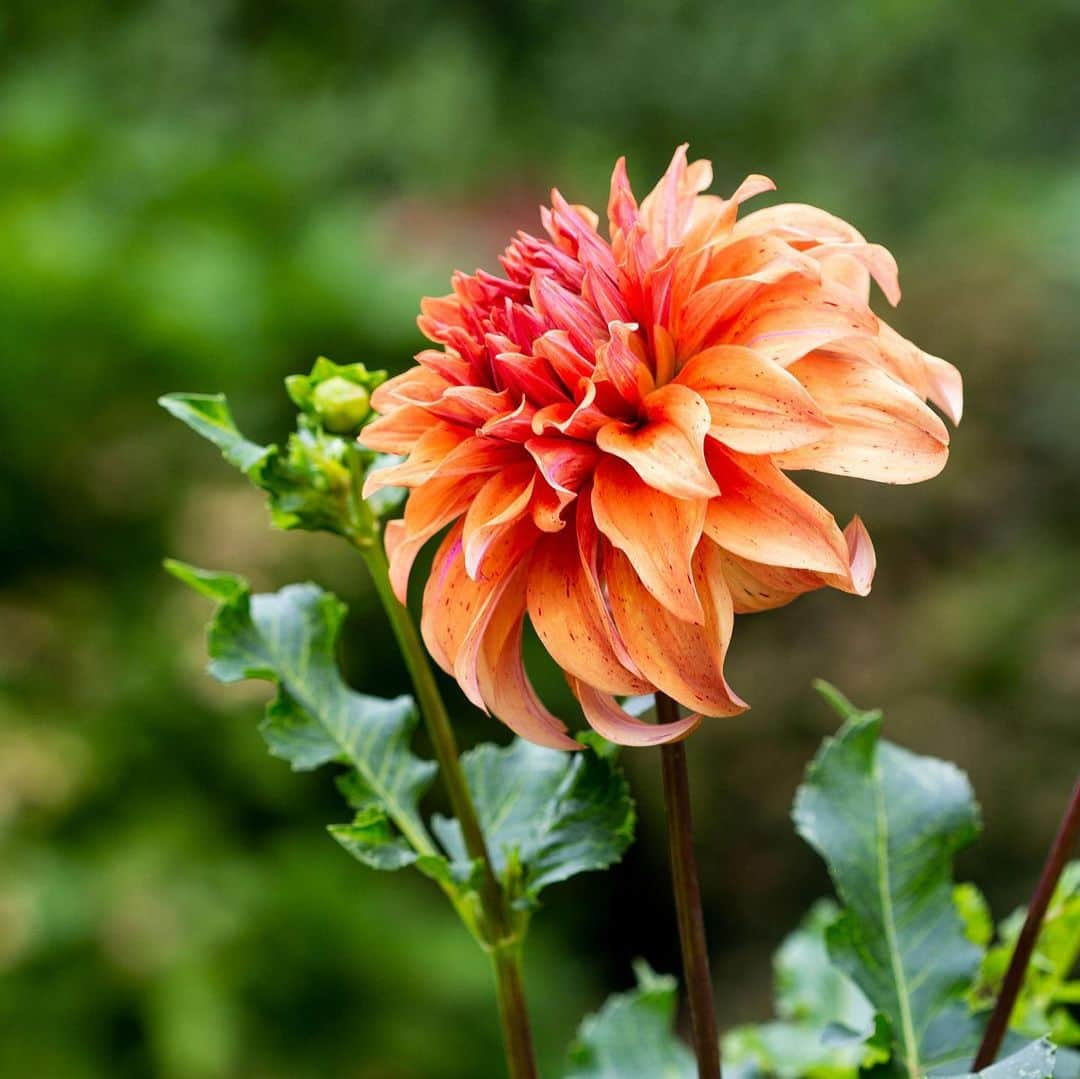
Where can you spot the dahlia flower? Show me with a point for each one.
(608, 427)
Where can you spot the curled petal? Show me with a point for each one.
(429, 452)
(529, 377)
(759, 586)
(457, 608)
(684, 659)
(930, 377)
(565, 465)
(446, 363)
(658, 533)
(946, 386)
(621, 361)
(580, 421)
(397, 431)
(760, 514)
(793, 317)
(501, 678)
(872, 258)
(801, 225)
(880, 429)
(472, 406)
(497, 506)
(416, 386)
(713, 218)
(429, 509)
(667, 448)
(862, 560)
(566, 361)
(754, 405)
(617, 725)
(570, 619)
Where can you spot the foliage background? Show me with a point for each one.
(205, 196)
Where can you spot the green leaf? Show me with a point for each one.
(1047, 992)
(1035, 1061)
(975, 913)
(309, 483)
(809, 987)
(888, 823)
(547, 815)
(632, 1035)
(208, 414)
(826, 1029)
(289, 638)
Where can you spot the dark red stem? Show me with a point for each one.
(1064, 842)
(688, 911)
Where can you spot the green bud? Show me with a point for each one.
(337, 395)
(341, 405)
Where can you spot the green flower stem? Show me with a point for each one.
(688, 910)
(1063, 843)
(500, 931)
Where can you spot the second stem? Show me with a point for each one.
(688, 909)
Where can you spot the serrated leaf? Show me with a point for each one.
(289, 638)
(632, 1036)
(1035, 1061)
(1047, 991)
(308, 483)
(547, 815)
(888, 823)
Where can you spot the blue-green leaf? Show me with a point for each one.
(826, 1027)
(632, 1036)
(547, 815)
(888, 823)
(1035, 1061)
(289, 638)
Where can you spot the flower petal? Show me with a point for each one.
(762, 515)
(793, 317)
(430, 509)
(618, 726)
(683, 659)
(801, 225)
(755, 406)
(569, 619)
(398, 431)
(501, 678)
(881, 430)
(498, 504)
(667, 448)
(757, 586)
(416, 386)
(621, 361)
(658, 533)
(872, 258)
(427, 455)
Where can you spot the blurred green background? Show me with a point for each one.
(205, 195)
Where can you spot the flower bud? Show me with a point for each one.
(341, 405)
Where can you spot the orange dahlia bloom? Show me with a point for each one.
(609, 425)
